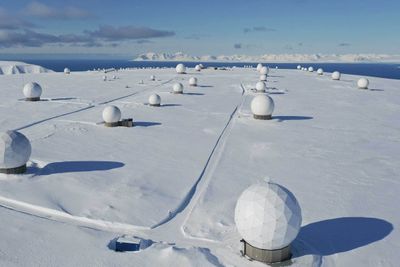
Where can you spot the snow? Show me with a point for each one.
(15, 67)
(175, 177)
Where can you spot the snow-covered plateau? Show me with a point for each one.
(174, 178)
(15, 67)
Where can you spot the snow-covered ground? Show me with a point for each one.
(175, 177)
(15, 67)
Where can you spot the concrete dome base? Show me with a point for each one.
(32, 99)
(262, 117)
(265, 255)
(17, 170)
(123, 123)
(154, 105)
(178, 93)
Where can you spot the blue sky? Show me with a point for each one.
(126, 28)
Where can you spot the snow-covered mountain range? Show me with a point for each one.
(179, 56)
(15, 67)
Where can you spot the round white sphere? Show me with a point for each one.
(201, 66)
(260, 86)
(197, 67)
(180, 68)
(310, 69)
(264, 70)
(177, 88)
(263, 77)
(32, 90)
(363, 83)
(298, 67)
(15, 150)
(268, 216)
(320, 71)
(193, 81)
(154, 99)
(262, 105)
(336, 75)
(152, 77)
(259, 66)
(67, 71)
(111, 114)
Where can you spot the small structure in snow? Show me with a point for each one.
(124, 243)
(298, 67)
(112, 118)
(320, 71)
(104, 78)
(15, 150)
(152, 78)
(180, 68)
(67, 71)
(201, 66)
(363, 83)
(114, 77)
(262, 107)
(264, 70)
(32, 91)
(193, 81)
(177, 88)
(259, 66)
(154, 100)
(197, 67)
(336, 75)
(268, 217)
(260, 87)
(263, 78)
(310, 69)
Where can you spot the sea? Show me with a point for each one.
(383, 70)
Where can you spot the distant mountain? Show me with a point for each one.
(271, 57)
(15, 67)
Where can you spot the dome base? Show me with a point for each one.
(154, 105)
(260, 91)
(178, 93)
(363, 88)
(123, 123)
(17, 170)
(262, 117)
(265, 255)
(32, 99)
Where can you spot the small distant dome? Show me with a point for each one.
(304, 69)
(32, 90)
(336, 75)
(264, 70)
(262, 107)
(193, 81)
(263, 78)
(104, 78)
(320, 71)
(197, 67)
(298, 67)
(67, 71)
(363, 83)
(111, 114)
(260, 86)
(201, 66)
(310, 69)
(177, 88)
(15, 150)
(259, 66)
(152, 78)
(180, 68)
(154, 100)
(114, 77)
(268, 216)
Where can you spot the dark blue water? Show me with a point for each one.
(384, 70)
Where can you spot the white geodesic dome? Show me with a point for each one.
(336, 75)
(363, 83)
(177, 88)
(320, 71)
(154, 99)
(193, 81)
(260, 86)
(197, 67)
(310, 69)
(111, 114)
(259, 66)
(264, 70)
(268, 216)
(15, 150)
(67, 71)
(152, 77)
(32, 90)
(298, 67)
(180, 68)
(262, 105)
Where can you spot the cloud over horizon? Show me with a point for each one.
(40, 10)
